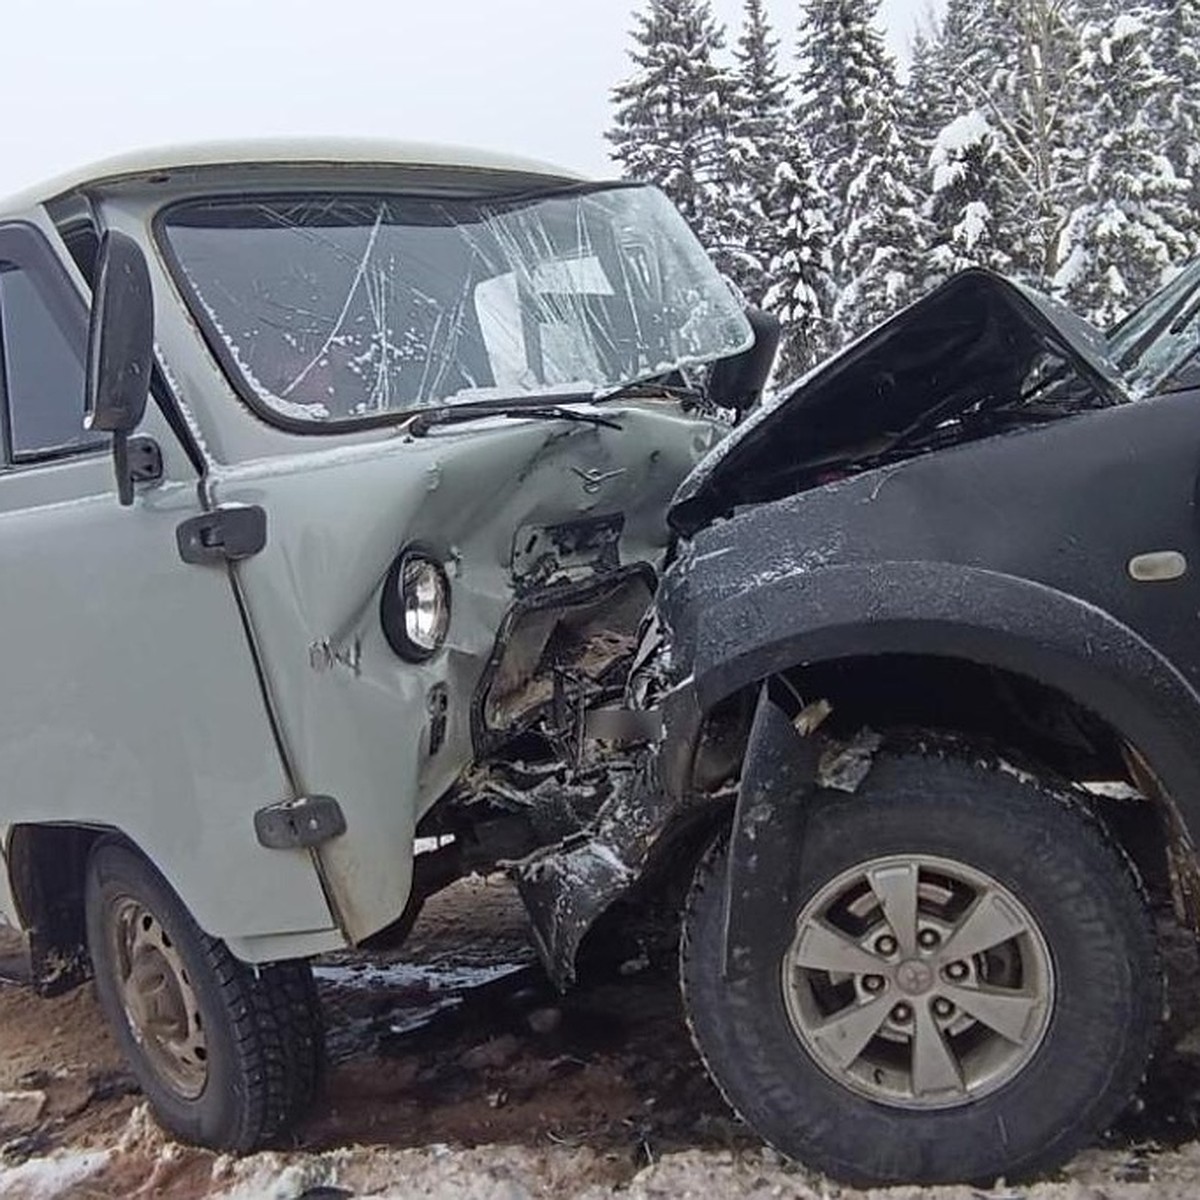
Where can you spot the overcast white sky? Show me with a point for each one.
(82, 79)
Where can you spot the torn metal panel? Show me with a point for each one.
(570, 550)
(567, 886)
(654, 794)
(565, 645)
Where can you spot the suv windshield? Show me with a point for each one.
(347, 308)
(1156, 344)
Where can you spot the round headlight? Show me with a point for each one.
(415, 608)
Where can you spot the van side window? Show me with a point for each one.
(41, 370)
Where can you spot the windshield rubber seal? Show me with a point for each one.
(217, 347)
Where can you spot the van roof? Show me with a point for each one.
(323, 151)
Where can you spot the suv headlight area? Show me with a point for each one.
(415, 606)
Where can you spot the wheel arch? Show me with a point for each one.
(839, 633)
(47, 867)
(946, 613)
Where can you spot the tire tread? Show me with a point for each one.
(273, 1013)
(725, 1058)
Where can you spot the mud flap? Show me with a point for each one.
(778, 776)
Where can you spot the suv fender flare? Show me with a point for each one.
(954, 611)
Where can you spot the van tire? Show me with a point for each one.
(229, 1056)
(765, 1032)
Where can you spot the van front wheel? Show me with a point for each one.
(228, 1055)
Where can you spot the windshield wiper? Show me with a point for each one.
(648, 388)
(451, 414)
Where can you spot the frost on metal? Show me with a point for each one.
(336, 307)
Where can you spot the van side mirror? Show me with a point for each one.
(120, 352)
(737, 382)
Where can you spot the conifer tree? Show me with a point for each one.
(801, 292)
(960, 174)
(1007, 166)
(1128, 227)
(848, 112)
(760, 133)
(672, 114)
(1177, 107)
(1029, 94)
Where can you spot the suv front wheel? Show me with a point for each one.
(228, 1055)
(965, 986)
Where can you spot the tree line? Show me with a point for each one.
(1057, 141)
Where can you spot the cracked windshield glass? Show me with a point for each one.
(334, 308)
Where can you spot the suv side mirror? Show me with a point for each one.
(738, 382)
(120, 353)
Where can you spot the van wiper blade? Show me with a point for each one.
(649, 389)
(451, 414)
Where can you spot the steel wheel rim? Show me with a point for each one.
(160, 1005)
(918, 982)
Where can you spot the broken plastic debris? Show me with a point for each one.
(810, 718)
(843, 767)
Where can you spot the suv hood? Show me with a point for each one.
(979, 355)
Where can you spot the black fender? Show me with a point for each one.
(742, 637)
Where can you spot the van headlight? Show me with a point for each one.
(415, 608)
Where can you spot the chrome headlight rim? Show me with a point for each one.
(400, 603)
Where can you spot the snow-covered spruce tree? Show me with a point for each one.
(1129, 225)
(848, 113)
(1177, 107)
(1031, 99)
(760, 128)
(926, 100)
(961, 160)
(672, 116)
(801, 291)
(966, 207)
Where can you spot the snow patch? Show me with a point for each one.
(432, 977)
(1113, 789)
(270, 1176)
(46, 1178)
(951, 145)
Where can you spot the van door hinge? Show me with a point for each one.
(145, 460)
(225, 534)
(299, 824)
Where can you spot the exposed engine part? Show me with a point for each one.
(559, 654)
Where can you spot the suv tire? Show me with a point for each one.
(872, 1066)
(229, 1056)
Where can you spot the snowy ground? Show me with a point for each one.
(456, 1072)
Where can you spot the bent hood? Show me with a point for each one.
(979, 355)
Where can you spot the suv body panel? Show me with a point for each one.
(1013, 545)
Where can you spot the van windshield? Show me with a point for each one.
(336, 308)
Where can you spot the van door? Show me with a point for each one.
(129, 697)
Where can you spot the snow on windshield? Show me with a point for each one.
(342, 307)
